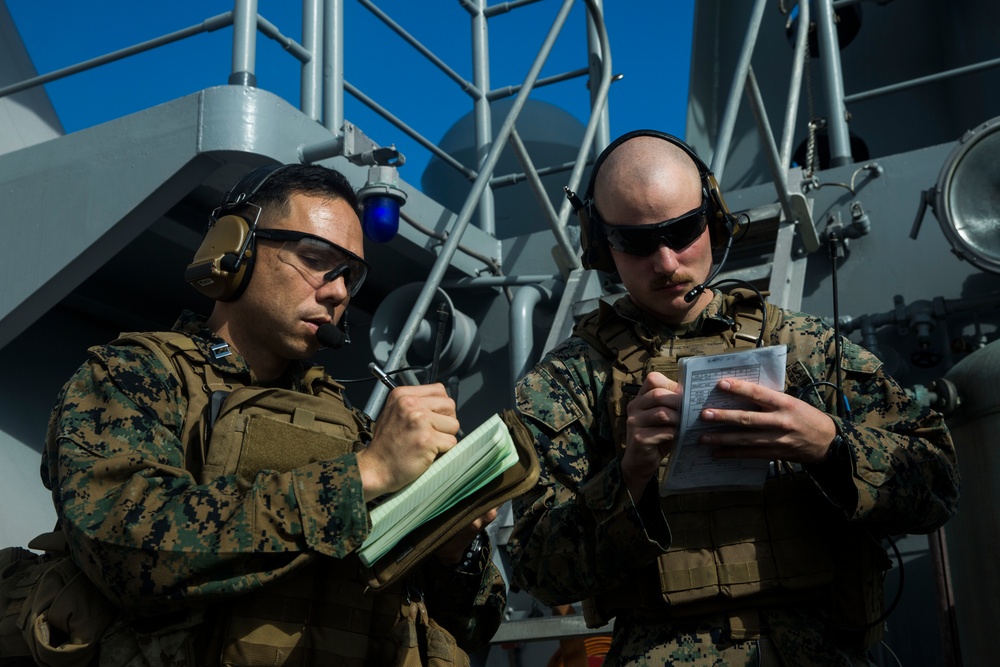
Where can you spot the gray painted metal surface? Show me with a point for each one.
(115, 211)
(149, 160)
(28, 116)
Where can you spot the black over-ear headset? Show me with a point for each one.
(722, 225)
(223, 264)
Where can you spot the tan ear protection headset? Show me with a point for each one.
(224, 261)
(722, 225)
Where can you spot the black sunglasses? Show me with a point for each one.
(643, 240)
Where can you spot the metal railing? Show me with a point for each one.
(323, 85)
(481, 184)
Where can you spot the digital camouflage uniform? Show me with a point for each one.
(167, 549)
(578, 535)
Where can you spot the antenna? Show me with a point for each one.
(841, 401)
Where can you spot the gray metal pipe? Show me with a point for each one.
(508, 91)
(522, 312)
(320, 151)
(503, 7)
(310, 98)
(473, 89)
(778, 171)
(482, 111)
(244, 43)
(208, 25)
(449, 247)
(333, 66)
(298, 51)
(930, 78)
(833, 84)
(595, 57)
(795, 86)
(513, 179)
(409, 131)
(725, 135)
(594, 123)
(498, 281)
(542, 196)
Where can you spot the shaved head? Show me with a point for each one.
(642, 164)
(649, 180)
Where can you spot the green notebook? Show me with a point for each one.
(477, 459)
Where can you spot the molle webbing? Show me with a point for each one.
(318, 617)
(737, 544)
(315, 609)
(633, 354)
(199, 382)
(725, 546)
(729, 550)
(278, 430)
(733, 552)
(252, 428)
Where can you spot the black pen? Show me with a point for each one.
(381, 375)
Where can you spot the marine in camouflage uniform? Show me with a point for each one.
(256, 565)
(787, 575)
(167, 549)
(578, 534)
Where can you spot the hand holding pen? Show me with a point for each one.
(377, 371)
(417, 424)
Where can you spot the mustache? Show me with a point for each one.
(676, 279)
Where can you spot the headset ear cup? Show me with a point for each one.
(722, 225)
(212, 272)
(595, 249)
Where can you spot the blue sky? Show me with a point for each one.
(650, 43)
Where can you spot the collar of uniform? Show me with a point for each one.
(217, 351)
(224, 358)
(711, 320)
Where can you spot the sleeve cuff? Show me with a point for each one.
(626, 533)
(654, 523)
(835, 475)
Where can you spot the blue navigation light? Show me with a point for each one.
(381, 217)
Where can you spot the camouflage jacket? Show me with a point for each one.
(158, 543)
(578, 534)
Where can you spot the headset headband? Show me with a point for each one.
(224, 262)
(703, 168)
(248, 186)
(596, 254)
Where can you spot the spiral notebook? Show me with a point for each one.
(478, 458)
